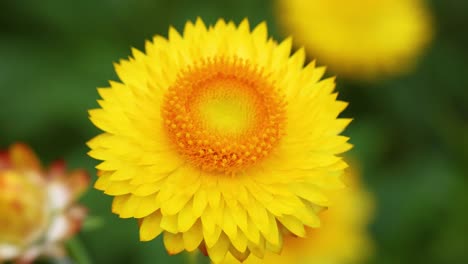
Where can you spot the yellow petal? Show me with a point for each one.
(193, 237)
(308, 215)
(147, 189)
(175, 204)
(211, 238)
(150, 227)
(282, 52)
(228, 224)
(259, 216)
(252, 232)
(186, 218)
(117, 188)
(208, 220)
(103, 181)
(169, 223)
(310, 193)
(214, 198)
(174, 243)
(294, 225)
(119, 203)
(272, 235)
(122, 175)
(239, 242)
(258, 249)
(218, 251)
(200, 201)
(147, 205)
(238, 213)
(130, 207)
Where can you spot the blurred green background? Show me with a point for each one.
(410, 132)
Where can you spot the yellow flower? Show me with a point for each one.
(342, 239)
(37, 210)
(220, 139)
(363, 39)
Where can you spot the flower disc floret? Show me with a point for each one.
(224, 114)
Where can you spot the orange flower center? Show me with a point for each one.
(224, 114)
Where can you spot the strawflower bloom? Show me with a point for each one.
(37, 206)
(219, 139)
(343, 237)
(359, 39)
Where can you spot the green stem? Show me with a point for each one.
(193, 258)
(77, 251)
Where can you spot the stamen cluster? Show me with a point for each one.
(213, 150)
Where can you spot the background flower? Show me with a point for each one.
(343, 237)
(359, 39)
(37, 206)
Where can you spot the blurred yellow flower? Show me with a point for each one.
(342, 239)
(359, 39)
(37, 210)
(220, 139)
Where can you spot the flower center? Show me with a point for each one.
(224, 108)
(224, 114)
(22, 208)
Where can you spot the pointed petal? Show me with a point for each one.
(150, 227)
